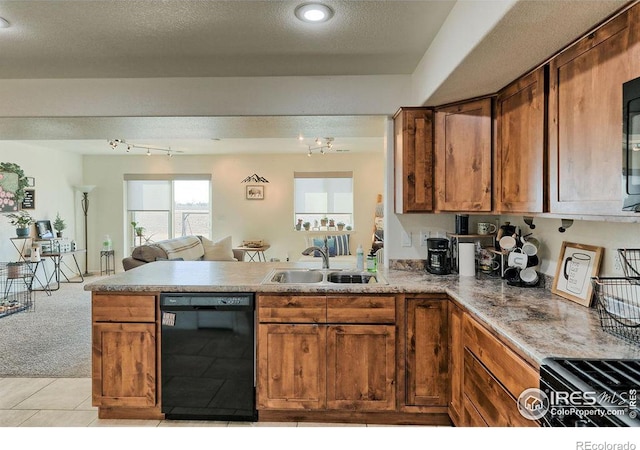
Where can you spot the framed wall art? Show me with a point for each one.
(254, 192)
(577, 263)
(29, 200)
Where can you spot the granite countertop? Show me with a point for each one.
(538, 323)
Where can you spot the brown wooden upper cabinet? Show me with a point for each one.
(413, 160)
(585, 115)
(463, 156)
(520, 145)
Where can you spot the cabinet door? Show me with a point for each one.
(520, 149)
(456, 364)
(361, 367)
(124, 364)
(585, 115)
(413, 160)
(463, 156)
(427, 352)
(291, 367)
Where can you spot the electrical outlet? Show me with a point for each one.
(406, 239)
(424, 235)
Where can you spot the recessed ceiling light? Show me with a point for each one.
(4, 23)
(313, 12)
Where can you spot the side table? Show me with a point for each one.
(255, 254)
(108, 257)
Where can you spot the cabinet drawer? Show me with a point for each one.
(361, 309)
(512, 371)
(292, 309)
(492, 402)
(123, 308)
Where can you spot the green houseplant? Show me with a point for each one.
(59, 225)
(21, 220)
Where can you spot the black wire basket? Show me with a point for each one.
(630, 260)
(618, 305)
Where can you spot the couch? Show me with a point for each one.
(185, 248)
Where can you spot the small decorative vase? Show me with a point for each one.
(340, 227)
(323, 222)
(22, 232)
(299, 225)
(59, 234)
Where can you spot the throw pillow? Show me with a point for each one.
(342, 245)
(331, 245)
(219, 250)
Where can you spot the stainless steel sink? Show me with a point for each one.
(351, 277)
(297, 276)
(321, 276)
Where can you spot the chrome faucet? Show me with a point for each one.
(323, 251)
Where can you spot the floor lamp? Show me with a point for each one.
(85, 208)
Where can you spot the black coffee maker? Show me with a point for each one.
(438, 256)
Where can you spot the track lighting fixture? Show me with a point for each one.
(322, 146)
(115, 142)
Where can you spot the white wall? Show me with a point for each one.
(270, 219)
(56, 173)
(609, 235)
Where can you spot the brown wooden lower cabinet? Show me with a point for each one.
(125, 344)
(427, 358)
(291, 366)
(361, 367)
(493, 377)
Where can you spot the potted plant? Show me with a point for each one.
(59, 225)
(349, 228)
(340, 226)
(332, 222)
(306, 226)
(299, 225)
(323, 222)
(21, 220)
(138, 230)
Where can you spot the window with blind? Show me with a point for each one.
(319, 195)
(167, 206)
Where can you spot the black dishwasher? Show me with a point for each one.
(208, 356)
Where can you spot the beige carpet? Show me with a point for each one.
(52, 340)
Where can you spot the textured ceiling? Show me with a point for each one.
(204, 38)
(207, 38)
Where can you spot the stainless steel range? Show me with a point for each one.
(590, 392)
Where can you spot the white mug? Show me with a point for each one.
(486, 228)
(529, 275)
(507, 243)
(530, 248)
(518, 259)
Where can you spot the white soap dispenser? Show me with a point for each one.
(359, 258)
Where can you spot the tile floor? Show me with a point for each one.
(66, 402)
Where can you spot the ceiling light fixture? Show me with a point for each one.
(313, 12)
(115, 142)
(4, 23)
(323, 146)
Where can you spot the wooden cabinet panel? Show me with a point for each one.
(520, 150)
(456, 363)
(361, 367)
(512, 371)
(123, 308)
(463, 143)
(427, 363)
(361, 309)
(470, 415)
(413, 156)
(493, 403)
(292, 309)
(291, 367)
(585, 114)
(124, 364)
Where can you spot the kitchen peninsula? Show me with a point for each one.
(442, 349)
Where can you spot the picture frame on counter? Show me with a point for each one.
(577, 264)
